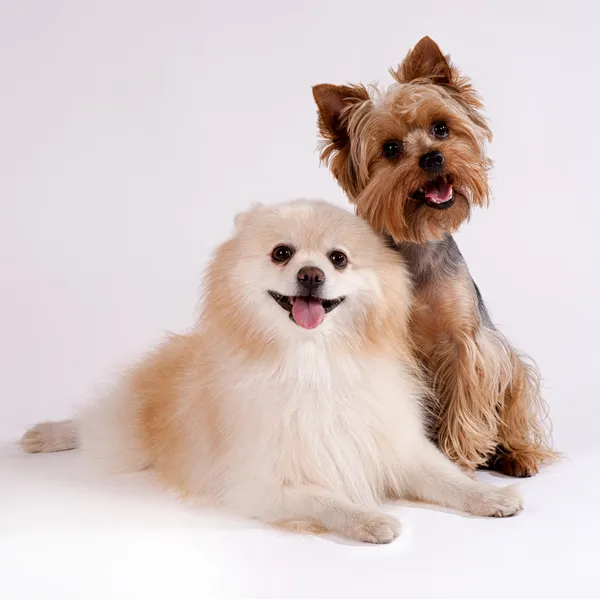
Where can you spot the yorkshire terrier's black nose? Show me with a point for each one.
(432, 162)
(310, 278)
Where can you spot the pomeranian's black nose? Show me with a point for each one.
(310, 278)
(432, 162)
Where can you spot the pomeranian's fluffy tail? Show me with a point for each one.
(105, 429)
(51, 436)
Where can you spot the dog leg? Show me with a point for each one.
(313, 508)
(524, 428)
(435, 479)
(465, 371)
(467, 380)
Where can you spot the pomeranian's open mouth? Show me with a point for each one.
(436, 193)
(306, 311)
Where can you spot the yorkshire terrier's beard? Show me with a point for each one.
(415, 207)
(412, 158)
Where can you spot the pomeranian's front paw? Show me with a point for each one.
(374, 528)
(498, 502)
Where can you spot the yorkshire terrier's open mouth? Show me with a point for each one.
(436, 193)
(306, 311)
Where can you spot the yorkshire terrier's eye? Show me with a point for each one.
(440, 130)
(282, 254)
(338, 259)
(392, 148)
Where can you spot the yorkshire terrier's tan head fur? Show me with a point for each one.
(412, 158)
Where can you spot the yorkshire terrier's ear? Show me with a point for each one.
(331, 101)
(425, 61)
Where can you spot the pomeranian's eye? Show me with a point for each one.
(338, 259)
(392, 148)
(282, 254)
(440, 130)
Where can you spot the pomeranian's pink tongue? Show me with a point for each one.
(438, 191)
(308, 313)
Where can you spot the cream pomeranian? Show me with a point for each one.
(295, 400)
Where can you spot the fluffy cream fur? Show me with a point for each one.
(307, 429)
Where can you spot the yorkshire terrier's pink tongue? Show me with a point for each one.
(308, 312)
(438, 191)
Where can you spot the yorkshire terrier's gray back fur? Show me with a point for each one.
(437, 261)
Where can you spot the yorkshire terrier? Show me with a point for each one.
(413, 160)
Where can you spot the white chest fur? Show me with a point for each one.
(317, 418)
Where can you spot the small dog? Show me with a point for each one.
(413, 160)
(295, 400)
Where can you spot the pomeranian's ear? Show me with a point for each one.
(425, 61)
(242, 217)
(331, 101)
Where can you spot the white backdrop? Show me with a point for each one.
(132, 131)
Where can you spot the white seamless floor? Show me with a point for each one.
(69, 532)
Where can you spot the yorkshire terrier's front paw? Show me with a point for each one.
(514, 464)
